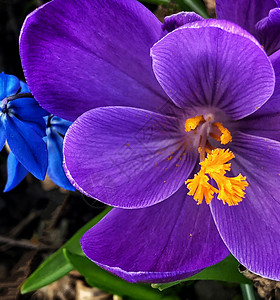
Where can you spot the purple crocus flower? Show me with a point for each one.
(146, 122)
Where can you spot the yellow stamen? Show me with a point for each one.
(192, 123)
(225, 133)
(230, 190)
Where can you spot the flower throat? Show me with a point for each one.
(229, 189)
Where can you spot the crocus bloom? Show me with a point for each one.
(163, 122)
(22, 125)
(55, 131)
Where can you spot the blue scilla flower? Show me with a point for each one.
(22, 125)
(56, 129)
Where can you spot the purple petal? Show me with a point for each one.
(251, 229)
(166, 242)
(265, 121)
(268, 31)
(245, 13)
(78, 55)
(127, 157)
(177, 20)
(223, 67)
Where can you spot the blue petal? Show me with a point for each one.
(9, 85)
(39, 126)
(2, 133)
(60, 125)
(29, 111)
(55, 169)
(24, 87)
(27, 146)
(26, 109)
(16, 172)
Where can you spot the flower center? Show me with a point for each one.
(5, 101)
(229, 189)
(4, 104)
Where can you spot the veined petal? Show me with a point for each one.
(16, 172)
(245, 13)
(268, 31)
(166, 242)
(251, 229)
(127, 157)
(55, 158)
(223, 67)
(265, 121)
(27, 146)
(79, 55)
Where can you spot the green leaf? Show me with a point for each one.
(158, 2)
(226, 270)
(95, 276)
(247, 291)
(56, 266)
(194, 5)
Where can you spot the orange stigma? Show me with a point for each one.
(229, 189)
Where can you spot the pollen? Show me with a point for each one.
(192, 123)
(225, 136)
(229, 189)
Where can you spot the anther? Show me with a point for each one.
(224, 135)
(192, 123)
